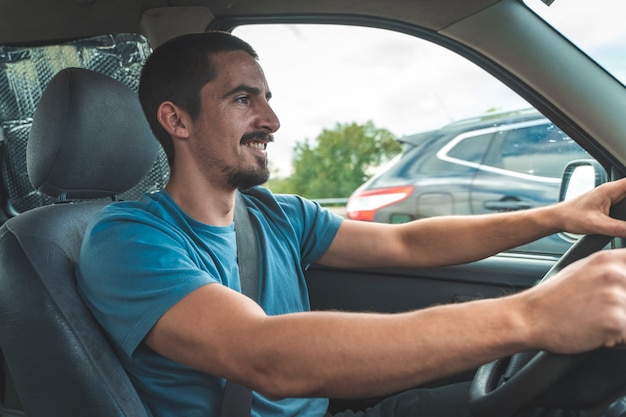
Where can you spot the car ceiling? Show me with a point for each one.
(20, 25)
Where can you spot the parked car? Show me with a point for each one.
(481, 165)
(56, 359)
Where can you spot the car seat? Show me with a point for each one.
(89, 142)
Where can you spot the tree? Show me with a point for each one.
(339, 160)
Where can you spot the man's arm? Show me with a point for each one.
(331, 353)
(448, 240)
(221, 332)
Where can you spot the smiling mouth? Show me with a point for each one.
(257, 140)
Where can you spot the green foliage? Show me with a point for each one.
(337, 162)
(280, 185)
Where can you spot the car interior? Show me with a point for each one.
(77, 139)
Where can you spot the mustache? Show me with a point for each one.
(257, 136)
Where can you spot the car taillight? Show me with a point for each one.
(363, 205)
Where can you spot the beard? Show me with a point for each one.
(257, 174)
(242, 175)
(249, 177)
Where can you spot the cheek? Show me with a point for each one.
(223, 128)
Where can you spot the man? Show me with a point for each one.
(161, 276)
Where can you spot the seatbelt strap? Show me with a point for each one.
(237, 400)
(247, 250)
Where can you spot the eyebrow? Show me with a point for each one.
(255, 91)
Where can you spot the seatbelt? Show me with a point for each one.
(247, 250)
(237, 400)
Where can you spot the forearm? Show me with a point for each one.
(438, 241)
(354, 355)
(475, 237)
(452, 240)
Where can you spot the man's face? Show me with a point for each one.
(235, 123)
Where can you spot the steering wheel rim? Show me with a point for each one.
(491, 396)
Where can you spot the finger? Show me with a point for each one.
(615, 190)
(610, 227)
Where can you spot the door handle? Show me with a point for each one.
(507, 204)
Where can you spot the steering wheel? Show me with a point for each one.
(586, 381)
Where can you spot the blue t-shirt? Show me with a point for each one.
(139, 258)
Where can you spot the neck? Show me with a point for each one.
(205, 201)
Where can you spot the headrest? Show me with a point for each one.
(89, 137)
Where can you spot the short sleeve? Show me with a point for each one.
(318, 226)
(314, 226)
(132, 269)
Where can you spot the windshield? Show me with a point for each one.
(596, 27)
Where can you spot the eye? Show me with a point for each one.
(242, 99)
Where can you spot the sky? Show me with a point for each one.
(323, 75)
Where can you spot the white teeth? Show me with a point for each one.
(256, 145)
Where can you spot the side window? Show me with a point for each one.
(322, 76)
(410, 128)
(470, 149)
(542, 150)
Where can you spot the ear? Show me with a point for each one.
(174, 120)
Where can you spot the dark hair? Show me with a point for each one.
(177, 70)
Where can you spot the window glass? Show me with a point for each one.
(471, 149)
(597, 27)
(346, 90)
(541, 150)
(321, 75)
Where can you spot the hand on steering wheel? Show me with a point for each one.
(590, 380)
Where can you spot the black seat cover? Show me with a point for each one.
(89, 141)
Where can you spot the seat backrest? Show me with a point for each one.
(89, 140)
(25, 71)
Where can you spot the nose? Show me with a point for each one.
(268, 119)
